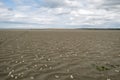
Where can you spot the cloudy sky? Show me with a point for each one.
(59, 13)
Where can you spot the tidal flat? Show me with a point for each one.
(59, 54)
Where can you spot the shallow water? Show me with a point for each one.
(59, 55)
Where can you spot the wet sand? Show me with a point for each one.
(59, 54)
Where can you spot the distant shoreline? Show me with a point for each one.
(60, 29)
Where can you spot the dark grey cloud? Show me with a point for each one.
(62, 3)
(113, 5)
(54, 3)
(112, 2)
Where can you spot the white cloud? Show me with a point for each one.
(66, 12)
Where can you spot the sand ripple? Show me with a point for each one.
(62, 55)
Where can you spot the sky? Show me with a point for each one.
(59, 13)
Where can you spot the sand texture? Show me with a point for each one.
(59, 54)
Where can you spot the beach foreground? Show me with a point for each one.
(59, 54)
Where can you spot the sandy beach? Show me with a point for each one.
(59, 54)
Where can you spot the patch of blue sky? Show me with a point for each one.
(9, 4)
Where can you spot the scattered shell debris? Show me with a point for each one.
(31, 77)
(108, 79)
(71, 76)
(12, 76)
(56, 76)
(117, 71)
